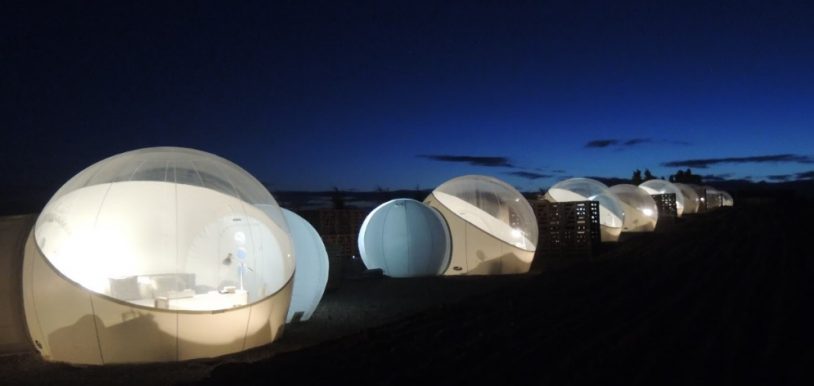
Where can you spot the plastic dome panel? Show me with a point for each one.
(611, 213)
(493, 206)
(178, 225)
(665, 187)
(692, 202)
(641, 211)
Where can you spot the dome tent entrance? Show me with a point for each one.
(493, 227)
(150, 247)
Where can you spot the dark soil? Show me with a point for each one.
(720, 298)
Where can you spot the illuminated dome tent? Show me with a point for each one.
(714, 198)
(157, 254)
(311, 275)
(692, 202)
(727, 198)
(664, 187)
(641, 212)
(611, 214)
(493, 228)
(405, 238)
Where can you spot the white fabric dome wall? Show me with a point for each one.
(143, 252)
(664, 187)
(311, 275)
(611, 213)
(641, 211)
(493, 227)
(405, 238)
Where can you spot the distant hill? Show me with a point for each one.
(21, 200)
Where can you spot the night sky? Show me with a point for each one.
(312, 95)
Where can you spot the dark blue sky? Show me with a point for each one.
(311, 95)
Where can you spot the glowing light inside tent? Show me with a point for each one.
(653, 187)
(493, 228)
(647, 212)
(149, 235)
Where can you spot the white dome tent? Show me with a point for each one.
(641, 211)
(664, 187)
(692, 202)
(611, 214)
(157, 254)
(311, 274)
(405, 238)
(493, 227)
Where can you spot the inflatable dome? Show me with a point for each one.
(641, 212)
(405, 238)
(157, 254)
(311, 275)
(611, 213)
(692, 202)
(663, 187)
(493, 228)
(715, 199)
(727, 199)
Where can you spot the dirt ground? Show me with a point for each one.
(721, 298)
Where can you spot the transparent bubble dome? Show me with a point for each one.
(611, 213)
(665, 187)
(168, 227)
(493, 206)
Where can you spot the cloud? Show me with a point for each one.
(779, 177)
(637, 141)
(625, 143)
(600, 143)
(529, 175)
(707, 162)
(809, 175)
(472, 160)
(716, 177)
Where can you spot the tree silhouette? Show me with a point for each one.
(648, 176)
(637, 177)
(685, 176)
(338, 198)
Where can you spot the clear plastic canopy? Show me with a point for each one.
(493, 206)
(665, 187)
(168, 227)
(611, 213)
(692, 202)
(714, 198)
(641, 211)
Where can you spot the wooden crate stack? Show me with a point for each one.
(666, 204)
(339, 228)
(567, 229)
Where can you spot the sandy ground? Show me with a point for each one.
(360, 303)
(721, 298)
